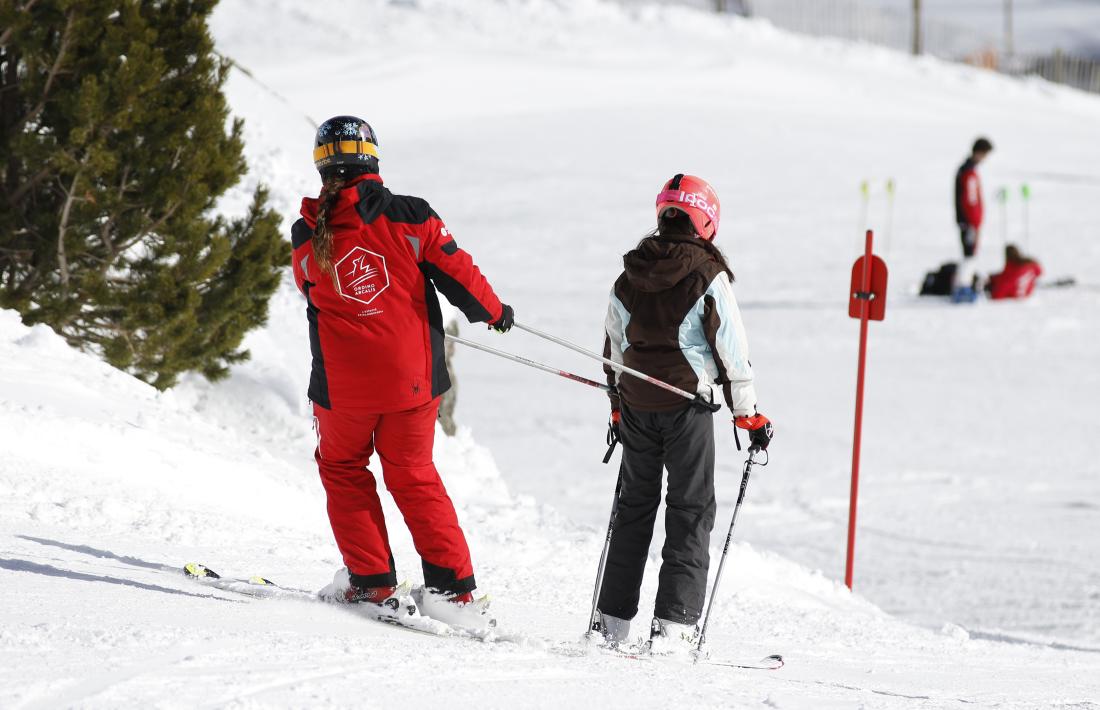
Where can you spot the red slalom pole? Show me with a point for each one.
(867, 301)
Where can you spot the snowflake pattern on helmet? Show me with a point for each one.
(345, 142)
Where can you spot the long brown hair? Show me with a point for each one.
(676, 225)
(322, 234)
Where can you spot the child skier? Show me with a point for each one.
(673, 316)
(369, 263)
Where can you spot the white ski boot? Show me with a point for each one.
(612, 629)
(381, 602)
(462, 611)
(667, 638)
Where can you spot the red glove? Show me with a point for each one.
(759, 428)
(754, 422)
(612, 434)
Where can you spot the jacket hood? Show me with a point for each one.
(659, 263)
(361, 200)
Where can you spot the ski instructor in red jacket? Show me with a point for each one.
(368, 263)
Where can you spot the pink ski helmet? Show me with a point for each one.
(694, 197)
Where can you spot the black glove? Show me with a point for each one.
(759, 428)
(506, 321)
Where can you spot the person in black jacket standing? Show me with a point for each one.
(672, 315)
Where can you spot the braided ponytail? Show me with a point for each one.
(322, 235)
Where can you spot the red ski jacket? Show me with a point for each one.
(968, 195)
(377, 336)
(1016, 281)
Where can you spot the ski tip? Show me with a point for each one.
(261, 581)
(194, 569)
(775, 661)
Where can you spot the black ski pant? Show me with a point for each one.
(683, 442)
(968, 235)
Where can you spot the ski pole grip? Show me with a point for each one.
(613, 440)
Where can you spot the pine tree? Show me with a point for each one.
(115, 145)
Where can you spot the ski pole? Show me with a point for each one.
(890, 186)
(725, 550)
(603, 558)
(865, 205)
(529, 363)
(620, 367)
(1002, 198)
(1025, 193)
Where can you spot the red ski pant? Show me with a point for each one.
(345, 443)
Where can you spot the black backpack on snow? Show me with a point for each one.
(939, 283)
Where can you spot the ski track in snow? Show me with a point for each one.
(540, 131)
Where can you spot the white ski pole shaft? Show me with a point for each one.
(1025, 193)
(603, 558)
(890, 187)
(725, 550)
(864, 208)
(611, 363)
(529, 363)
(1027, 227)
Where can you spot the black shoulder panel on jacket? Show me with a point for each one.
(300, 233)
(374, 198)
(404, 209)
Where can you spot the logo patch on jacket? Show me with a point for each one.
(362, 275)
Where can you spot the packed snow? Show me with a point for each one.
(541, 132)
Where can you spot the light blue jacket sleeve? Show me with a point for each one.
(726, 331)
(615, 342)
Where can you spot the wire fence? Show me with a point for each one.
(856, 21)
(853, 20)
(1060, 68)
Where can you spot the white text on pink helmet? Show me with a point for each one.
(691, 199)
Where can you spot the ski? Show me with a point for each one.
(639, 653)
(263, 588)
(259, 587)
(769, 663)
(1064, 282)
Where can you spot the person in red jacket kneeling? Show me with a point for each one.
(1018, 278)
(368, 263)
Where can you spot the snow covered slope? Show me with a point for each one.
(540, 130)
(108, 487)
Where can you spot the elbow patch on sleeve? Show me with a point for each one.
(459, 296)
